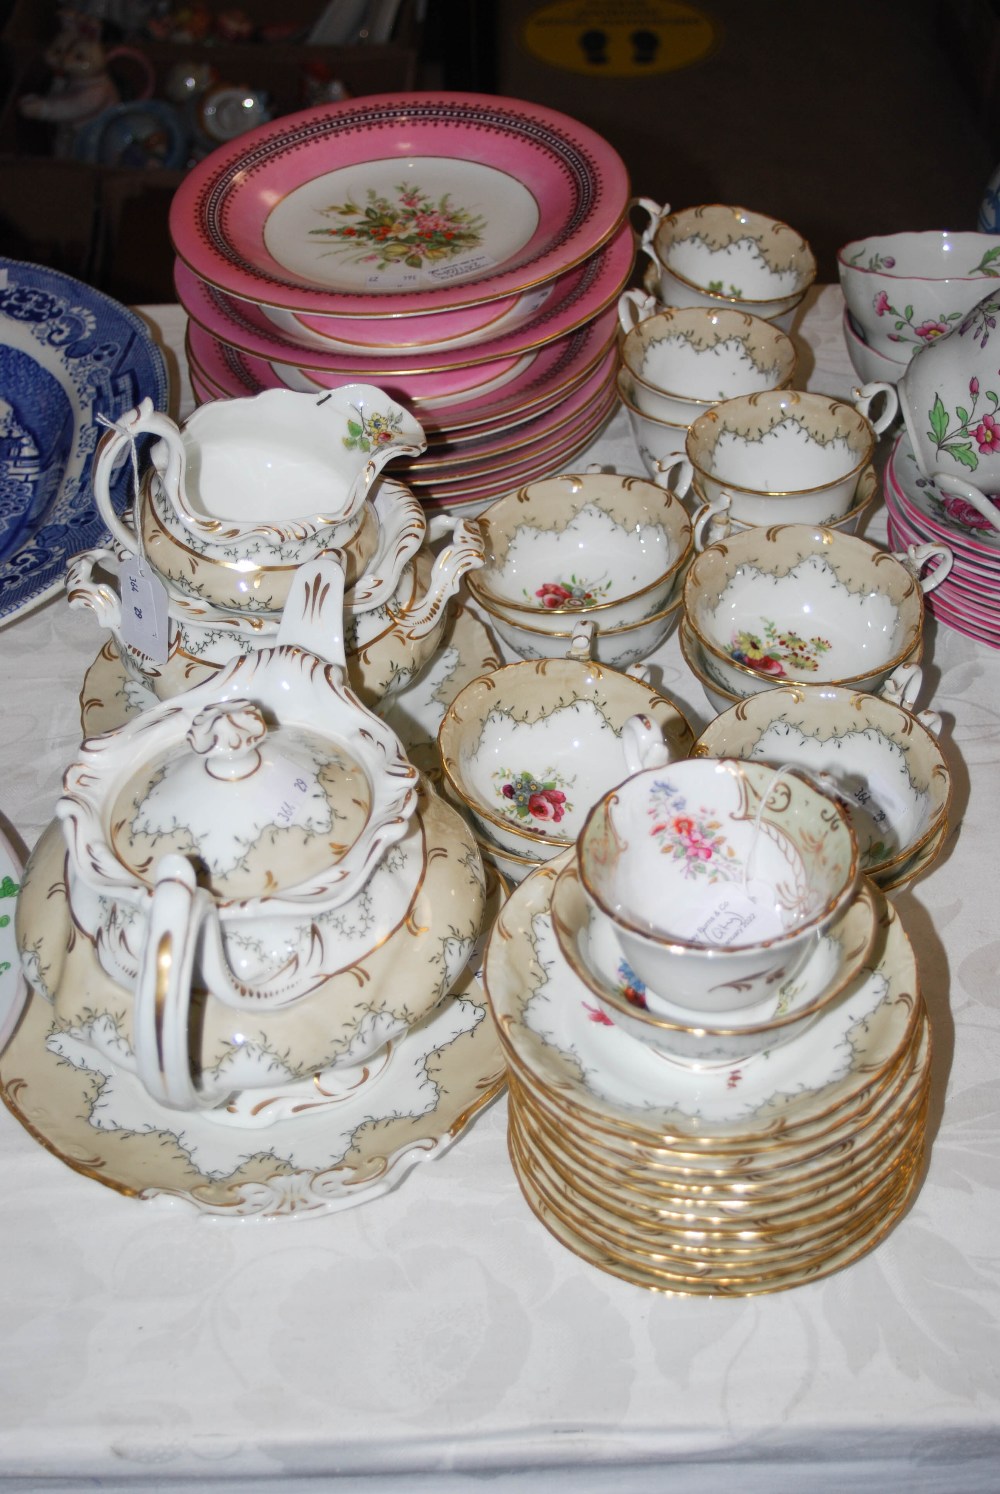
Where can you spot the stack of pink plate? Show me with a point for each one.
(922, 512)
(462, 252)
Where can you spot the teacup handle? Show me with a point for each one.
(656, 216)
(711, 522)
(903, 686)
(581, 646)
(971, 494)
(643, 744)
(915, 557)
(162, 1005)
(675, 463)
(635, 306)
(866, 396)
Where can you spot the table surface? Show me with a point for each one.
(438, 1337)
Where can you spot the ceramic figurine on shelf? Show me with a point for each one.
(82, 87)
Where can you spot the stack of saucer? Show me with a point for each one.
(748, 1152)
(464, 252)
(922, 512)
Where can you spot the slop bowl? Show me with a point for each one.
(718, 875)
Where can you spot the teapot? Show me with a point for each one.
(248, 489)
(255, 840)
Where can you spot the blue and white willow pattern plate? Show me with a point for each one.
(68, 354)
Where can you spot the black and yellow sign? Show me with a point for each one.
(620, 38)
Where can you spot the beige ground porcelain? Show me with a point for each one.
(718, 876)
(317, 1147)
(714, 521)
(592, 545)
(591, 949)
(393, 619)
(683, 361)
(529, 749)
(885, 762)
(780, 457)
(293, 802)
(796, 603)
(253, 486)
(719, 255)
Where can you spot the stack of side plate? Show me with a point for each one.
(922, 512)
(464, 253)
(737, 1180)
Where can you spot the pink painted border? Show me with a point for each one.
(218, 213)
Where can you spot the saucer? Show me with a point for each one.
(927, 504)
(546, 1017)
(329, 1151)
(588, 943)
(110, 697)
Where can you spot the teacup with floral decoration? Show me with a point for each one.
(882, 761)
(720, 255)
(684, 361)
(582, 545)
(797, 603)
(950, 400)
(529, 748)
(719, 876)
(904, 291)
(589, 942)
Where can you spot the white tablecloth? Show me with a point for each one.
(438, 1338)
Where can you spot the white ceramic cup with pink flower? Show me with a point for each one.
(949, 397)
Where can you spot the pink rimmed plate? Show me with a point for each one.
(419, 201)
(944, 516)
(237, 373)
(590, 290)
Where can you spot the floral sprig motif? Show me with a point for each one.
(981, 321)
(415, 231)
(572, 593)
(777, 651)
(8, 888)
(972, 435)
(720, 290)
(531, 798)
(691, 837)
(369, 432)
(630, 986)
(929, 330)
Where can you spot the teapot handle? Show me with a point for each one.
(120, 435)
(177, 912)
